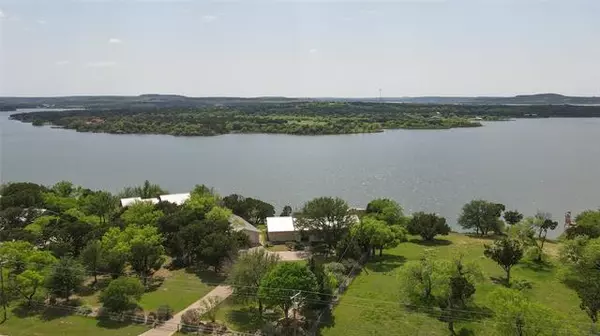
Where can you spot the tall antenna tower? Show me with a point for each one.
(380, 97)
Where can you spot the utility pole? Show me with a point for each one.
(295, 301)
(2, 288)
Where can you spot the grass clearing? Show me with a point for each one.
(371, 304)
(53, 322)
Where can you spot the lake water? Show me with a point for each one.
(528, 164)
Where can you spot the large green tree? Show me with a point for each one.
(146, 190)
(326, 217)
(427, 225)
(91, 257)
(587, 223)
(121, 294)
(101, 204)
(141, 213)
(286, 280)
(506, 252)
(247, 273)
(65, 278)
(386, 210)
(146, 251)
(482, 216)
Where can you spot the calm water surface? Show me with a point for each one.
(547, 164)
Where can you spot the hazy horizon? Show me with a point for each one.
(299, 48)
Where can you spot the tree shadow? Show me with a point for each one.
(154, 283)
(385, 263)
(90, 289)
(51, 313)
(434, 242)
(23, 310)
(247, 319)
(108, 323)
(465, 332)
(485, 237)
(327, 321)
(518, 284)
(538, 266)
(206, 276)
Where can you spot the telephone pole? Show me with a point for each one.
(2, 288)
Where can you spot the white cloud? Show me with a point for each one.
(42, 22)
(313, 51)
(61, 63)
(2, 14)
(100, 64)
(209, 18)
(115, 40)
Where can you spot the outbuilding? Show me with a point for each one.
(281, 229)
(240, 224)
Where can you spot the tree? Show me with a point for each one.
(386, 210)
(210, 307)
(146, 190)
(515, 315)
(91, 256)
(506, 253)
(372, 234)
(26, 267)
(428, 225)
(253, 210)
(146, 251)
(100, 204)
(63, 188)
(458, 291)
(582, 257)
(512, 217)
(115, 252)
(327, 217)
(421, 278)
(532, 231)
(248, 271)
(483, 216)
(587, 223)
(121, 294)
(65, 277)
(284, 281)
(287, 211)
(141, 213)
(544, 223)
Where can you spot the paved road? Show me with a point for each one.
(170, 327)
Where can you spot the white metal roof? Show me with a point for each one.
(178, 199)
(151, 200)
(128, 201)
(280, 224)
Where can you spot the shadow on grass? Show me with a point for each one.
(385, 263)
(154, 283)
(93, 288)
(434, 242)
(538, 266)
(327, 321)
(107, 323)
(247, 319)
(465, 332)
(518, 284)
(206, 276)
(486, 237)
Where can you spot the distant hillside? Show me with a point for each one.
(149, 101)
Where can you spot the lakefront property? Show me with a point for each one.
(146, 262)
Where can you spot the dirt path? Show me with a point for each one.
(170, 327)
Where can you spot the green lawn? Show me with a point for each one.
(180, 289)
(50, 323)
(371, 304)
(278, 248)
(242, 317)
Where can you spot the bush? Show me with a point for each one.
(190, 320)
(290, 245)
(151, 318)
(121, 294)
(351, 265)
(298, 246)
(164, 313)
(84, 310)
(533, 254)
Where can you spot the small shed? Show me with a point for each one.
(178, 199)
(240, 224)
(129, 201)
(281, 229)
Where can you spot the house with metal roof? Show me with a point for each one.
(129, 201)
(239, 224)
(178, 199)
(281, 229)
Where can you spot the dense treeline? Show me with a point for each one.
(301, 118)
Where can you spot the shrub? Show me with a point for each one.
(151, 318)
(290, 245)
(533, 254)
(164, 313)
(351, 265)
(84, 310)
(298, 246)
(190, 320)
(121, 294)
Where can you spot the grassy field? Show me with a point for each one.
(53, 322)
(179, 289)
(371, 304)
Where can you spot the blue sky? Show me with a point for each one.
(300, 48)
